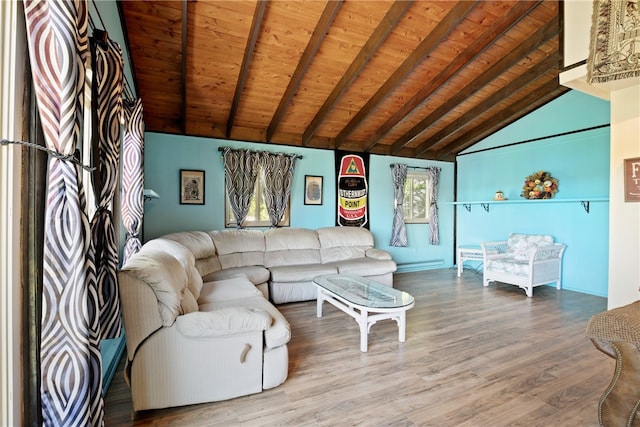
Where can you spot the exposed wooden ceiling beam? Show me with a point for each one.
(522, 81)
(439, 33)
(183, 83)
(539, 97)
(318, 36)
(540, 37)
(378, 37)
(518, 12)
(261, 7)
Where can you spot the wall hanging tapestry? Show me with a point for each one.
(352, 189)
(614, 52)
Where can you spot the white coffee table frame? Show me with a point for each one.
(362, 312)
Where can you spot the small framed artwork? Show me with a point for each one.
(191, 187)
(312, 190)
(632, 180)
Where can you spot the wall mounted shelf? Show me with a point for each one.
(584, 201)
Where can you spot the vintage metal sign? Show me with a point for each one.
(352, 191)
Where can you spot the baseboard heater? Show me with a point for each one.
(420, 265)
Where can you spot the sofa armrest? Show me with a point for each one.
(497, 247)
(225, 321)
(493, 250)
(554, 251)
(378, 254)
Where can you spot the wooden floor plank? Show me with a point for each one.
(473, 356)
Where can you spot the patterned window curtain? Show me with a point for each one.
(399, 229)
(434, 236)
(132, 176)
(107, 99)
(70, 361)
(277, 170)
(241, 171)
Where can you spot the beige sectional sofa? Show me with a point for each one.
(282, 262)
(198, 322)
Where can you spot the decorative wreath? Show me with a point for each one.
(539, 185)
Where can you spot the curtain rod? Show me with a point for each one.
(298, 156)
(128, 93)
(415, 167)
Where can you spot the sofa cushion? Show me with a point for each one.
(292, 257)
(256, 274)
(278, 334)
(223, 321)
(206, 266)
(378, 254)
(166, 277)
(223, 290)
(241, 259)
(340, 243)
(365, 266)
(188, 304)
(288, 246)
(229, 242)
(300, 273)
(171, 247)
(183, 255)
(198, 242)
(509, 265)
(520, 246)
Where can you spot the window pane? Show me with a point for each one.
(406, 204)
(257, 216)
(419, 198)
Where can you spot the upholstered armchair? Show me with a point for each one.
(617, 334)
(524, 260)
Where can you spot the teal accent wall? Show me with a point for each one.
(580, 161)
(166, 154)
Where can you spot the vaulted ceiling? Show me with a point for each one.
(423, 79)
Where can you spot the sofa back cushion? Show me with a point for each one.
(166, 277)
(340, 243)
(520, 246)
(202, 247)
(291, 246)
(184, 256)
(239, 248)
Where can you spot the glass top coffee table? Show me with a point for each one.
(359, 296)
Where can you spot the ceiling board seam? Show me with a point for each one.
(532, 43)
(328, 16)
(369, 49)
(473, 51)
(442, 30)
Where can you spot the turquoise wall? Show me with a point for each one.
(166, 154)
(580, 161)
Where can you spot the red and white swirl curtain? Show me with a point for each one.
(71, 386)
(133, 176)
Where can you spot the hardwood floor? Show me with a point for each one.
(473, 356)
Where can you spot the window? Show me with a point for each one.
(417, 192)
(257, 215)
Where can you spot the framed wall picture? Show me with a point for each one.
(191, 187)
(632, 180)
(312, 190)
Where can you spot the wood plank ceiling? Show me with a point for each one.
(423, 79)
